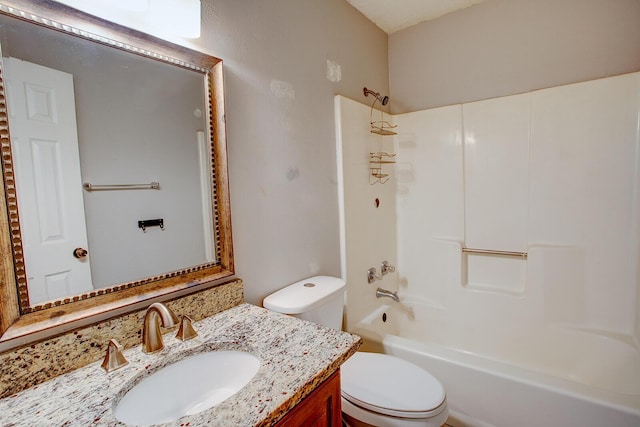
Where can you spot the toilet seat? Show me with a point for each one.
(391, 386)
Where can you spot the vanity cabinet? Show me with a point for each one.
(321, 408)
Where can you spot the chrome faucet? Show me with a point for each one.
(385, 268)
(155, 315)
(388, 294)
(372, 275)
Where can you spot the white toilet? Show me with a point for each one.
(377, 389)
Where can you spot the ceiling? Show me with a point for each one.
(395, 15)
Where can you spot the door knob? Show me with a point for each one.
(80, 253)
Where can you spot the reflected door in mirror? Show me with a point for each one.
(140, 102)
(42, 120)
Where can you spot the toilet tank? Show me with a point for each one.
(319, 299)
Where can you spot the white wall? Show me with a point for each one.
(280, 127)
(553, 173)
(430, 202)
(505, 47)
(584, 185)
(368, 229)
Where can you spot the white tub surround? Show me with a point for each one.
(296, 357)
(553, 175)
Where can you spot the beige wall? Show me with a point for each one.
(504, 47)
(280, 127)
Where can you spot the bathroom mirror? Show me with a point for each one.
(114, 165)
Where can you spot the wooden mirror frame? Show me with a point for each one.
(16, 322)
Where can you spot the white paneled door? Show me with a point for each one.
(44, 140)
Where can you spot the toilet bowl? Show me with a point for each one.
(386, 391)
(377, 389)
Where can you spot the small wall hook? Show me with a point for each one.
(143, 224)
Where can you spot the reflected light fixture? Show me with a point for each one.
(182, 17)
(175, 17)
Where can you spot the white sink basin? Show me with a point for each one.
(189, 386)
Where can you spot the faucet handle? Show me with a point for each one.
(372, 275)
(387, 268)
(186, 331)
(114, 359)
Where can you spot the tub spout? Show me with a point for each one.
(385, 293)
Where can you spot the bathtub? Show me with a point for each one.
(556, 376)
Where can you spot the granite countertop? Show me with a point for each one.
(296, 357)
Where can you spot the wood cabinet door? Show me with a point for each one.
(322, 408)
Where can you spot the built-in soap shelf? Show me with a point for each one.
(495, 252)
(376, 162)
(494, 271)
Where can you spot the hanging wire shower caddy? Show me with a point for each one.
(377, 159)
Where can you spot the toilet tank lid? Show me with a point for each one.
(304, 295)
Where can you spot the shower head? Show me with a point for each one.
(383, 100)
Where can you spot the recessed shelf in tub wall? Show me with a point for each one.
(494, 252)
(494, 271)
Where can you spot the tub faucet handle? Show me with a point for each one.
(372, 275)
(386, 268)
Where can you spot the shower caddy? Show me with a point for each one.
(377, 159)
